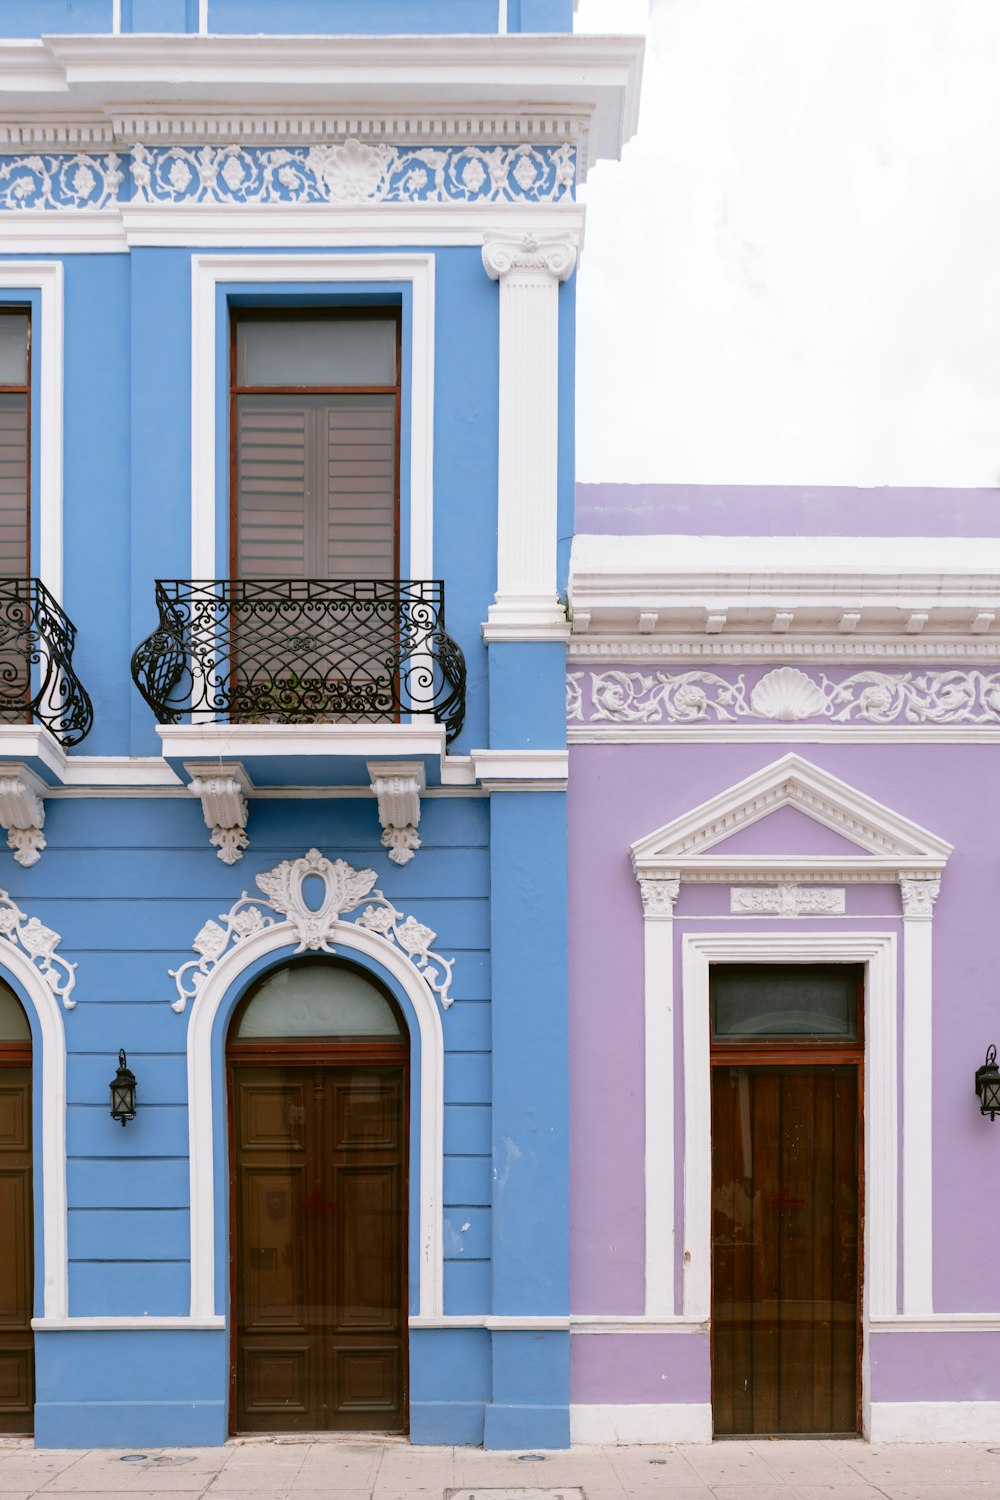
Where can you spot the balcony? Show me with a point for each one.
(301, 651)
(37, 680)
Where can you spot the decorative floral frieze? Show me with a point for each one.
(786, 695)
(314, 927)
(351, 171)
(40, 944)
(345, 172)
(786, 900)
(53, 180)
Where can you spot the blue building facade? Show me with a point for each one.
(355, 758)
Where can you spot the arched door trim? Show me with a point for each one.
(204, 1060)
(33, 991)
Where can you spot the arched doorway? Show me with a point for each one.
(317, 1060)
(17, 1276)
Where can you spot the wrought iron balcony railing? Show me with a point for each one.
(37, 680)
(301, 651)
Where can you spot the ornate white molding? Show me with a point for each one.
(919, 890)
(887, 843)
(60, 180)
(40, 944)
(623, 646)
(785, 694)
(787, 900)
(351, 171)
(22, 812)
(221, 788)
(659, 891)
(313, 928)
(554, 255)
(397, 784)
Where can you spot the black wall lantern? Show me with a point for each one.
(988, 1085)
(123, 1092)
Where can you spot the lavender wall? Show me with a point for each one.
(784, 510)
(619, 793)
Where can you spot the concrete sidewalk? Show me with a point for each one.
(379, 1469)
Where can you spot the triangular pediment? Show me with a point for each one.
(786, 831)
(866, 830)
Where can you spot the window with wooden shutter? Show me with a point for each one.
(315, 420)
(15, 424)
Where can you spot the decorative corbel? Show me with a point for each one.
(22, 811)
(222, 787)
(397, 784)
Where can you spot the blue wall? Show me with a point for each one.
(27, 18)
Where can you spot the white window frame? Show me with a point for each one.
(46, 278)
(208, 272)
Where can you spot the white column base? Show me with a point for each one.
(673, 1422)
(526, 618)
(935, 1422)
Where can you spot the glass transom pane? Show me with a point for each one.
(318, 998)
(13, 348)
(316, 351)
(752, 1001)
(13, 1022)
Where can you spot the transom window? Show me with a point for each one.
(315, 430)
(793, 1002)
(317, 997)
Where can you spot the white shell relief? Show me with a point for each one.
(785, 694)
(314, 927)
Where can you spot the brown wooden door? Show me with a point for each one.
(785, 1241)
(319, 1247)
(17, 1350)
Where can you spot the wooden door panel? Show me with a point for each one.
(277, 1381)
(15, 1117)
(785, 1151)
(368, 1292)
(319, 1246)
(272, 1249)
(17, 1352)
(367, 1380)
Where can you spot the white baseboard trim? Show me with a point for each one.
(933, 1421)
(674, 1422)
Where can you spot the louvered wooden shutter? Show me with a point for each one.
(316, 486)
(13, 486)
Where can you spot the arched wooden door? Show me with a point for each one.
(318, 1104)
(17, 1347)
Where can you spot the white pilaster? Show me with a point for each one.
(659, 893)
(919, 891)
(529, 270)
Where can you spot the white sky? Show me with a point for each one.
(793, 276)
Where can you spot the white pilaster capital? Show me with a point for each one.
(919, 890)
(22, 811)
(555, 254)
(659, 890)
(397, 785)
(221, 787)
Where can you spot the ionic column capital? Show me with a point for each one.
(555, 254)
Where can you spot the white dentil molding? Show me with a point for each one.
(208, 273)
(397, 785)
(221, 787)
(529, 269)
(46, 277)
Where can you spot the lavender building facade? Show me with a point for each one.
(783, 712)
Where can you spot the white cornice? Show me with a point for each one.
(789, 596)
(447, 82)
